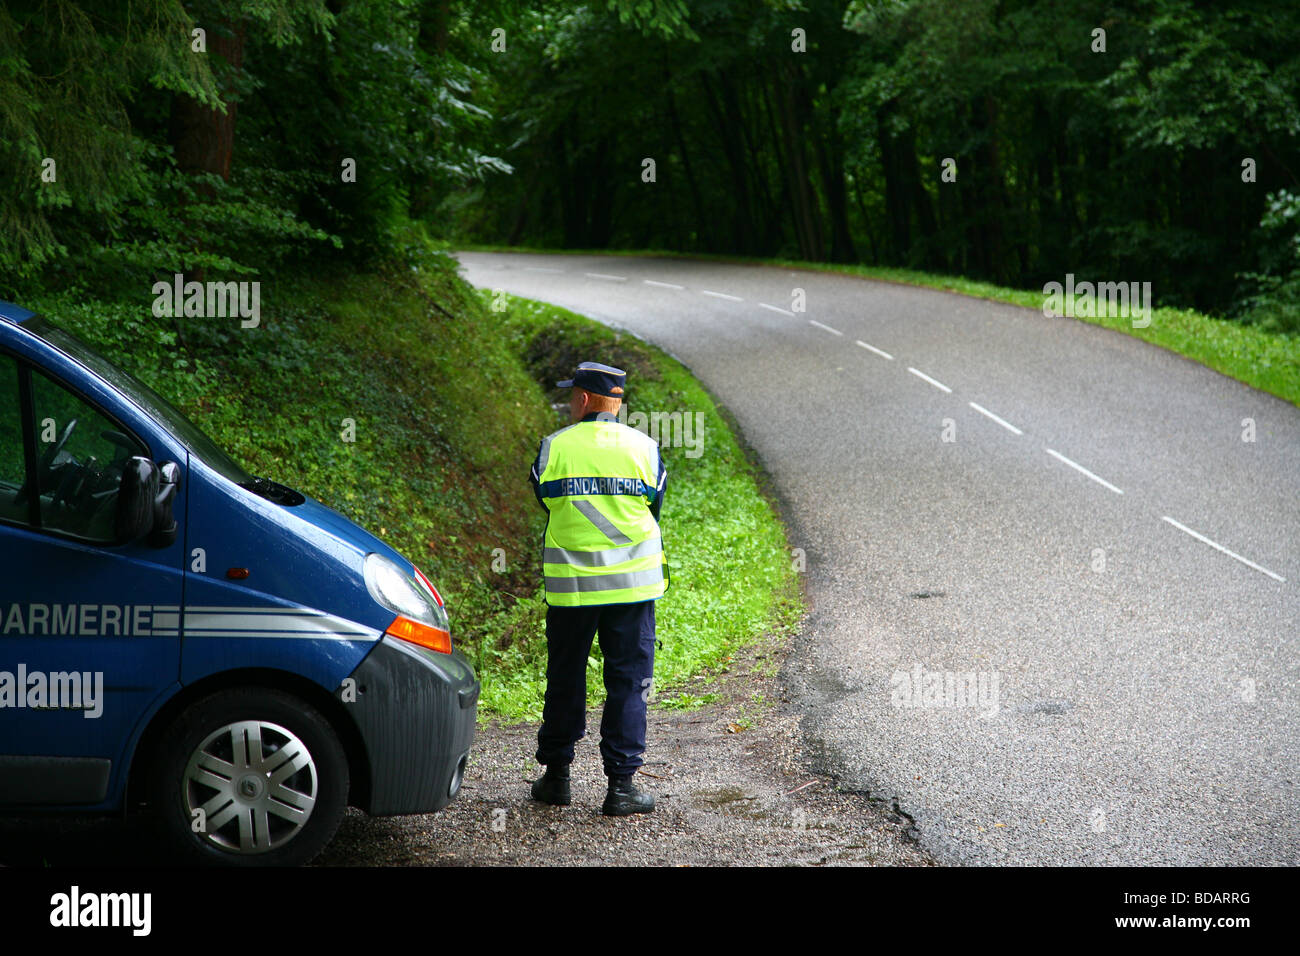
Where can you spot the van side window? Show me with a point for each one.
(12, 461)
(80, 455)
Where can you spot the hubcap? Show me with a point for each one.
(255, 783)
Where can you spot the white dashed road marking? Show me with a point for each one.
(775, 308)
(602, 275)
(1005, 424)
(1231, 554)
(872, 348)
(663, 285)
(540, 269)
(723, 295)
(919, 374)
(826, 327)
(1079, 468)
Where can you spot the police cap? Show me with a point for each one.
(597, 379)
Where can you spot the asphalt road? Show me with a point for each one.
(1092, 587)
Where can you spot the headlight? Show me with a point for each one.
(421, 617)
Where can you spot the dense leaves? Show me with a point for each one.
(224, 139)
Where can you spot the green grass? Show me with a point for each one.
(449, 401)
(1268, 361)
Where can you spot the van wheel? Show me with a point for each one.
(250, 777)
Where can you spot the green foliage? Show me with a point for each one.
(66, 79)
(1197, 80)
(666, 18)
(1273, 302)
(107, 91)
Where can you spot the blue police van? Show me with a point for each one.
(180, 635)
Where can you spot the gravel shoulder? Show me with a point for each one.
(732, 786)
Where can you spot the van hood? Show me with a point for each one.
(298, 550)
(343, 529)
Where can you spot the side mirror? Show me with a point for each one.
(164, 524)
(135, 500)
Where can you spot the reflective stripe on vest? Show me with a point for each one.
(602, 544)
(603, 559)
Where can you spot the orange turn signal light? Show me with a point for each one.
(434, 638)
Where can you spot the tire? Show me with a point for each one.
(227, 756)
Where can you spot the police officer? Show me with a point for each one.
(602, 485)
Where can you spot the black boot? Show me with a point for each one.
(553, 787)
(623, 798)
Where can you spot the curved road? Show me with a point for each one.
(1053, 591)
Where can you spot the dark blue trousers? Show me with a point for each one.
(627, 642)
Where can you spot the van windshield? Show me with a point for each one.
(162, 411)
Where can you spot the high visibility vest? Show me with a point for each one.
(602, 544)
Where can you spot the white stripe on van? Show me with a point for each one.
(272, 622)
(301, 635)
(166, 620)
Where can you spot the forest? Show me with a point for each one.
(1015, 141)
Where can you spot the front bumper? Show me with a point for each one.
(415, 710)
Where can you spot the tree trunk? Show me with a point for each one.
(775, 139)
(896, 213)
(204, 138)
(917, 197)
(807, 227)
(994, 208)
(742, 221)
(768, 213)
(830, 154)
(701, 220)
